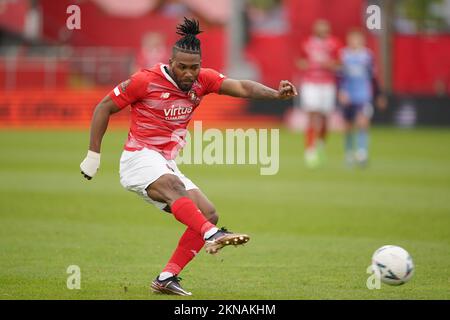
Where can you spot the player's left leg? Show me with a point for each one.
(322, 136)
(348, 142)
(310, 103)
(328, 102)
(349, 115)
(323, 127)
(191, 242)
(362, 138)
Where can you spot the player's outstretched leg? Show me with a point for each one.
(170, 189)
(201, 229)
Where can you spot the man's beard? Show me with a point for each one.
(184, 87)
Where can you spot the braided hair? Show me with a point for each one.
(188, 43)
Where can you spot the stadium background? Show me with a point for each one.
(51, 79)
(47, 63)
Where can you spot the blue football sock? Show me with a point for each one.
(362, 140)
(348, 142)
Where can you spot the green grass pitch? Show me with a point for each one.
(312, 232)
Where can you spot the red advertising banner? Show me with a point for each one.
(51, 108)
(73, 108)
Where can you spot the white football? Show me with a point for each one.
(392, 265)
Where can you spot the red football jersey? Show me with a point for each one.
(318, 51)
(160, 111)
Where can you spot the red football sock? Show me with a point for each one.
(189, 245)
(310, 137)
(323, 130)
(185, 211)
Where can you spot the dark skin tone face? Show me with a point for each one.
(184, 69)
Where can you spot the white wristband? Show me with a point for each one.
(93, 155)
(91, 163)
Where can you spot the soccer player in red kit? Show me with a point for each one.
(318, 62)
(163, 99)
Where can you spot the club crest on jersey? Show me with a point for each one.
(125, 84)
(193, 96)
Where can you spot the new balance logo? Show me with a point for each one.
(165, 95)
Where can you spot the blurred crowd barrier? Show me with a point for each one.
(63, 67)
(73, 108)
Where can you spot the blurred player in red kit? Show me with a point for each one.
(318, 63)
(163, 99)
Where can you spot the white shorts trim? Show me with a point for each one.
(318, 97)
(139, 169)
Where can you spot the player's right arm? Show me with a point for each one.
(123, 95)
(99, 124)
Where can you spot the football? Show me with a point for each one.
(392, 265)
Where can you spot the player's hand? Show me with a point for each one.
(286, 90)
(90, 164)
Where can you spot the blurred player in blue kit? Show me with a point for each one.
(358, 89)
